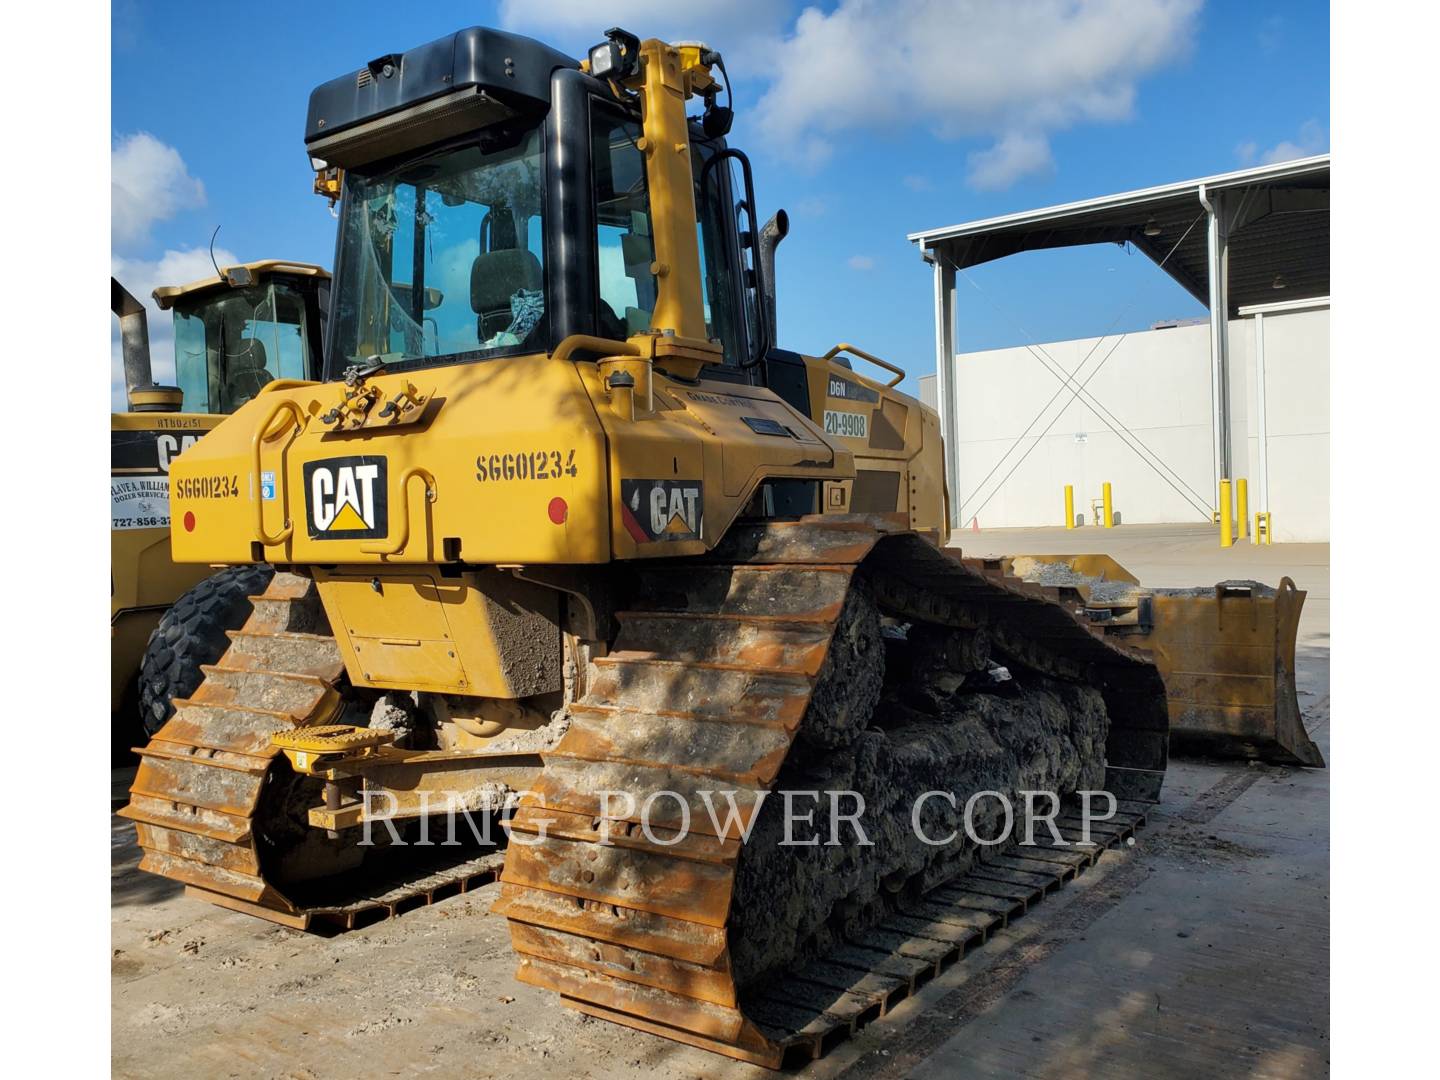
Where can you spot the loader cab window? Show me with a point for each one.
(229, 343)
(441, 257)
(624, 244)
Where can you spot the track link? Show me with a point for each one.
(198, 794)
(704, 691)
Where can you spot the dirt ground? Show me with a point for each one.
(1202, 950)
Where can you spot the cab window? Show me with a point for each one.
(229, 344)
(443, 256)
(624, 246)
(719, 273)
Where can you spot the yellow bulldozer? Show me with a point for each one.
(233, 333)
(566, 542)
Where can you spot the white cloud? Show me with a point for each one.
(1014, 156)
(1015, 71)
(148, 183)
(860, 262)
(581, 23)
(811, 206)
(1313, 139)
(141, 277)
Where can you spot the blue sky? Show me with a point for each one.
(866, 121)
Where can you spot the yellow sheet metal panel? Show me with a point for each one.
(482, 633)
(524, 460)
(682, 471)
(888, 432)
(516, 452)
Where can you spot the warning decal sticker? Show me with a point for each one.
(346, 499)
(662, 510)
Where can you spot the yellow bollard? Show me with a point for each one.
(1069, 506)
(1262, 526)
(1109, 515)
(1242, 508)
(1227, 522)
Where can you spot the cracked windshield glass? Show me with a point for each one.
(443, 256)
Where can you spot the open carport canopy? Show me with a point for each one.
(1276, 219)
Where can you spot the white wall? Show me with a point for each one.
(1297, 414)
(1018, 448)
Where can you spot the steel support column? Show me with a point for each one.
(945, 397)
(1262, 440)
(1218, 272)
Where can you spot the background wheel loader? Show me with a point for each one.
(565, 539)
(233, 333)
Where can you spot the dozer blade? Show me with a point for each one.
(1227, 653)
(720, 670)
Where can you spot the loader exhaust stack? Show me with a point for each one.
(141, 390)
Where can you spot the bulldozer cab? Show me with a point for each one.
(547, 216)
(509, 229)
(237, 332)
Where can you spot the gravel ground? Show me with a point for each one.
(197, 990)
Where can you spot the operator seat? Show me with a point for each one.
(245, 372)
(495, 277)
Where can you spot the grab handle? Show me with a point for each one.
(846, 347)
(403, 536)
(256, 440)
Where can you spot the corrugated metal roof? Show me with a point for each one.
(1281, 226)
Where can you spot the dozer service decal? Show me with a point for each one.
(345, 498)
(139, 487)
(139, 502)
(659, 510)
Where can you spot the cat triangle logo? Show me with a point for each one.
(345, 498)
(347, 518)
(662, 510)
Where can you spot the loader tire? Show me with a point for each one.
(191, 633)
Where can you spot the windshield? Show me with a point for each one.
(231, 342)
(443, 257)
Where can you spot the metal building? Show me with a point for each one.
(1258, 242)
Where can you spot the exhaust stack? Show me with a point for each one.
(774, 230)
(141, 390)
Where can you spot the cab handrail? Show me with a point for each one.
(598, 345)
(847, 347)
(281, 493)
(402, 538)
